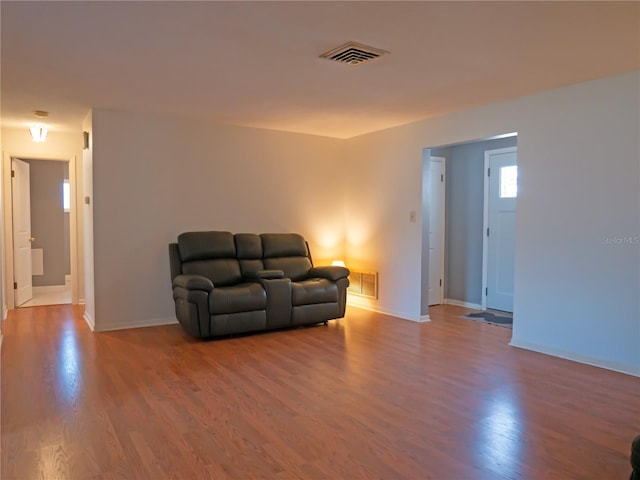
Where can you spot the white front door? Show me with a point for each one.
(21, 198)
(436, 230)
(501, 227)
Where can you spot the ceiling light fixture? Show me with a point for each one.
(39, 130)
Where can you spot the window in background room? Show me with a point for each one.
(66, 196)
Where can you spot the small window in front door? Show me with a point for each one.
(509, 181)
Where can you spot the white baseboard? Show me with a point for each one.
(147, 322)
(90, 321)
(82, 301)
(576, 357)
(5, 312)
(384, 311)
(50, 289)
(424, 318)
(458, 303)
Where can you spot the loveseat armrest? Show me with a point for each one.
(193, 282)
(332, 272)
(264, 275)
(269, 274)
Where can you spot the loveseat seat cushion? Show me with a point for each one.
(313, 290)
(244, 297)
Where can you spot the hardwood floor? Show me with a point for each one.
(368, 396)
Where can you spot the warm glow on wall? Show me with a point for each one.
(358, 232)
(326, 239)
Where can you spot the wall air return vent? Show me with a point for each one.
(353, 53)
(363, 283)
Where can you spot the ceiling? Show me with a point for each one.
(257, 63)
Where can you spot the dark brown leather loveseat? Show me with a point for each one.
(225, 283)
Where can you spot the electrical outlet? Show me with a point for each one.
(412, 216)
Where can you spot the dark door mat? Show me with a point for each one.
(490, 317)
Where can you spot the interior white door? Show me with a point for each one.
(21, 198)
(436, 230)
(503, 191)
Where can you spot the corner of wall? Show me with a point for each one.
(90, 321)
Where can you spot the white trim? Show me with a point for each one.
(90, 321)
(424, 318)
(50, 288)
(576, 357)
(485, 225)
(459, 303)
(384, 311)
(443, 207)
(147, 322)
(5, 312)
(82, 301)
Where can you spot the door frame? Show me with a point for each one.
(485, 220)
(442, 233)
(8, 223)
(22, 240)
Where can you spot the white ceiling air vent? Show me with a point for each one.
(353, 53)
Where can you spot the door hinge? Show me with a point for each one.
(486, 291)
(13, 173)
(488, 172)
(487, 231)
(440, 282)
(442, 177)
(15, 285)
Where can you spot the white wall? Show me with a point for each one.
(59, 146)
(155, 177)
(3, 302)
(87, 231)
(577, 296)
(385, 177)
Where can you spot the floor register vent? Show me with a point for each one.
(364, 284)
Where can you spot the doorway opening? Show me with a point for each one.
(41, 221)
(468, 269)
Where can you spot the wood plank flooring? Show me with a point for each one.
(366, 397)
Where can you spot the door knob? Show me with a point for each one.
(32, 239)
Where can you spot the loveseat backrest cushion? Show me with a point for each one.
(210, 254)
(287, 252)
(206, 245)
(283, 245)
(249, 249)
